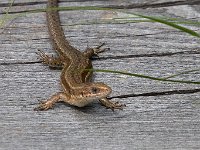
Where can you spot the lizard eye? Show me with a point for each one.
(94, 90)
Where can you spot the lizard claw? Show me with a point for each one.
(98, 49)
(117, 105)
(44, 57)
(44, 105)
(51, 61)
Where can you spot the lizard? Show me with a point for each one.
(78, 89)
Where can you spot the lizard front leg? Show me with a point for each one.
(53, 62)
(48, 104)
(111, 105)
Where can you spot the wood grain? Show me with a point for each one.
(159, 121)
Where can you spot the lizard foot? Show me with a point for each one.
(44, 105)
(51, 61)
(111, 105)
(44, 57)
(89, 52)
(98, 49)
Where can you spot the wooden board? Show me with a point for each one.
(159, 115)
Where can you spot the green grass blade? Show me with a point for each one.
(144, 76)
(5, 16)
(185, 72)
(191, 32)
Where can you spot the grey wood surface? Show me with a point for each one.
(169, 118)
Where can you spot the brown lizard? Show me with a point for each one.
(78, 90)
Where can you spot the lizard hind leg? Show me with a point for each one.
(89, 52)
(51, 61)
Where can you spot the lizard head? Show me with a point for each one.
(90, 92)
(96, 90)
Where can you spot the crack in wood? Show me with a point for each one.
(155, 5)
(118, 57)
(149, 55)
(173, 92)
(18, 63)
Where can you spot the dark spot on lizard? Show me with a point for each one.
(94, 90)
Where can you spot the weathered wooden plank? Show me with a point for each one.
(148, 122)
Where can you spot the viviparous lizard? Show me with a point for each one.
(78, 89)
